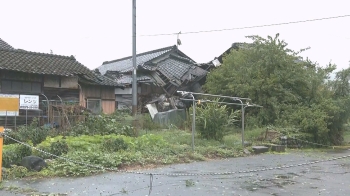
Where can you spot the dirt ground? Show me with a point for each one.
(324, 178)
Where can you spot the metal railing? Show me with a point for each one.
(239, 99)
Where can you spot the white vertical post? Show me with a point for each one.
(134, 78)
(193, 122)
(6, 120)
(26, 117)
(243, 126)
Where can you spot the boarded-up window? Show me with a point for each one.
(26, 85)
(94, 105)
(36, 87)
(6, 86)
(20, 86)
(16, 86)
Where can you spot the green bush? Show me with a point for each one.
(15, 172)
(56, 146)
(33, 133)
(147, 123)
(13, 154)
(12, 134)
(104, 125)
(128, 130)
(59, 147)
(254, 135)
(211, 119)
(114, 144)
(60, 167)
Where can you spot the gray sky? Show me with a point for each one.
(98, 31)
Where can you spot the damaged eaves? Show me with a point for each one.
(126, 79)
(217, 61)
(167, 67)
(176, 72)
(164, 70)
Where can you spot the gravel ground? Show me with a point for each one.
(324, 178)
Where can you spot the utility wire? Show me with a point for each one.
(248, 27)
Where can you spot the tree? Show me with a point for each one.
(293, 91)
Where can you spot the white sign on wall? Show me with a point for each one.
(9, 113)
(29, 102)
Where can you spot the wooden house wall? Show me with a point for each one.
(67, 88)
(105, 93)
(20, 76)
(61, 82)
(65, 94)
(108, 107)
(51, 86)
(69, 82)
(98, 92)
(51, 81)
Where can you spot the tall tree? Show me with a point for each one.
(293, 91)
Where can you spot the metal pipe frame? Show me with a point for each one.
(211, 95)
(208, 101)
(193, 120)
(243, 106)
(48, 106)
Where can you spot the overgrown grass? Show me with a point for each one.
(107, 142)
(150, 149)
(254, 135)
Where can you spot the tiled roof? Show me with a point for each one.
(101, 80)
(4, 45)
(173, 64)
(179, 69)
(40, 63)
(48, 64)
(174, 69)
(125, 64)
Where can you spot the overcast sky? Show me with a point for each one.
(98, 31)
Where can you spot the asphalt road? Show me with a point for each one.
(324, 178)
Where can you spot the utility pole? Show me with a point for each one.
(134, 77)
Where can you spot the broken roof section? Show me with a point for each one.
(179, 69)
(167, 67)
(124, 65)
(127, 79)
(217, 61)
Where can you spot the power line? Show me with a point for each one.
(248, 27)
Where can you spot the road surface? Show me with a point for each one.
(324, 178)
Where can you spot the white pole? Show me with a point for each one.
(243, 126)
(193, 121)
(134, 78)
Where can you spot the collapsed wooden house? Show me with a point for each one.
(159, 72)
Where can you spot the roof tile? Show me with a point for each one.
(41, 63)
(49, 64)
(5, 45)
(125, 64)
(178, 68)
